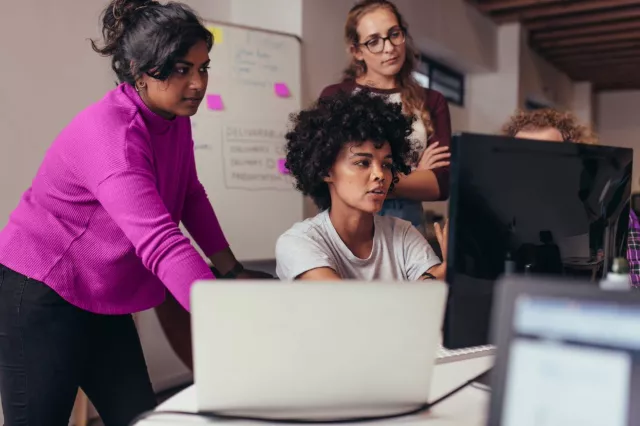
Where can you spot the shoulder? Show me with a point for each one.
(107, 122)
(311, 231)
(434, 99)
(106, 137)
(344, 86)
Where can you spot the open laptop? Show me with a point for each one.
(567, 354)
(278, 347)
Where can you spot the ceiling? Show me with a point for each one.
(590, 40)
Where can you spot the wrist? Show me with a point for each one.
(231, 274)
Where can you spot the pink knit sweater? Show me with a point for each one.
(99, 224)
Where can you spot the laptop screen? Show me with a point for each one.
(572, 362)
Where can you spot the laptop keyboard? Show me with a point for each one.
(445, 355)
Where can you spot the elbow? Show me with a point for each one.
(442, 178)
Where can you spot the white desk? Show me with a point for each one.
(466, 408)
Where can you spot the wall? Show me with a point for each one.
(542, 82)
(493, 96)
(618, 125)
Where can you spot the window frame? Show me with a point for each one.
(432, 65)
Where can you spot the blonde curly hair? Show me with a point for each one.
(565, 122)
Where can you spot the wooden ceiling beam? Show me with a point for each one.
(600, 47)
(603, 62)
(603, 50)
(596, 75)
(567, 59)
(591, 39)
(563, 8)
(613, 87)
(609, 27)
(549, 23)
(499, 5)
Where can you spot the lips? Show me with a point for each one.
(390, 60)
(193, 99)
(377, 191)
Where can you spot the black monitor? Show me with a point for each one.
(528, 207)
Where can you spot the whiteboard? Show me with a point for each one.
(239, 136)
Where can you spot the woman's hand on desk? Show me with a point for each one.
(434, 157)
(248, 274)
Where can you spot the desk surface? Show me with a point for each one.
(466, 408)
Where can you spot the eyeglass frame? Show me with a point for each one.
(384, 41)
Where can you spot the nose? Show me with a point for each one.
(388, 46)
(377, 173)
(198, 81)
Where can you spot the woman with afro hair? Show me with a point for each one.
(346, 152)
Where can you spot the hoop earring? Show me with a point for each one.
(139, 86)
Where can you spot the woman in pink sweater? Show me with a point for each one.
(96, 237)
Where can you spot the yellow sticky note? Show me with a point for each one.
(217, 34)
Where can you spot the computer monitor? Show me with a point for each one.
(528, 207)
(567, 355)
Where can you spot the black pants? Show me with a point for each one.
(49, 348)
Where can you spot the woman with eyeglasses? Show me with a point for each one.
(383, 60)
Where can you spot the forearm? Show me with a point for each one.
(420, 185)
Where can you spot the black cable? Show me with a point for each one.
(220, 416)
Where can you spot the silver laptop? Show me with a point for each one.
(291, 347)
(568, 354)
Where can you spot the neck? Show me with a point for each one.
(355, 228)
(377, 81)
(161, 113)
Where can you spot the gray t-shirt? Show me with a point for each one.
(399, 251)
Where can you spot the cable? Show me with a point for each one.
(220, 416)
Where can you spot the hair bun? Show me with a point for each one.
(123, 10)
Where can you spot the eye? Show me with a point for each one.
(205, 69)
(388, 166)
(396, 34)
(373, 42)
(182, 70)
(363, 163)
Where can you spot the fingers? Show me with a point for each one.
(431, 147)
(438, 157)
(438, 165)
(439, 150)
(438, 231)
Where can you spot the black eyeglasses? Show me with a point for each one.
(376, 45)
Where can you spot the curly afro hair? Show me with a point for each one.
(566, 123)
(319, 133)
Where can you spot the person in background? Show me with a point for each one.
(346, 153)
(96, 238)
(383, 60)
(555, 126)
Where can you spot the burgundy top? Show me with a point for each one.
(438, 108)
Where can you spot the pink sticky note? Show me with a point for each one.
(214, 102)
(281, 166)
(282, 90)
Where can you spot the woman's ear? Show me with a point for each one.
(356, 52)
(328, 177)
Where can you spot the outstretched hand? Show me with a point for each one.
(442, 235)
